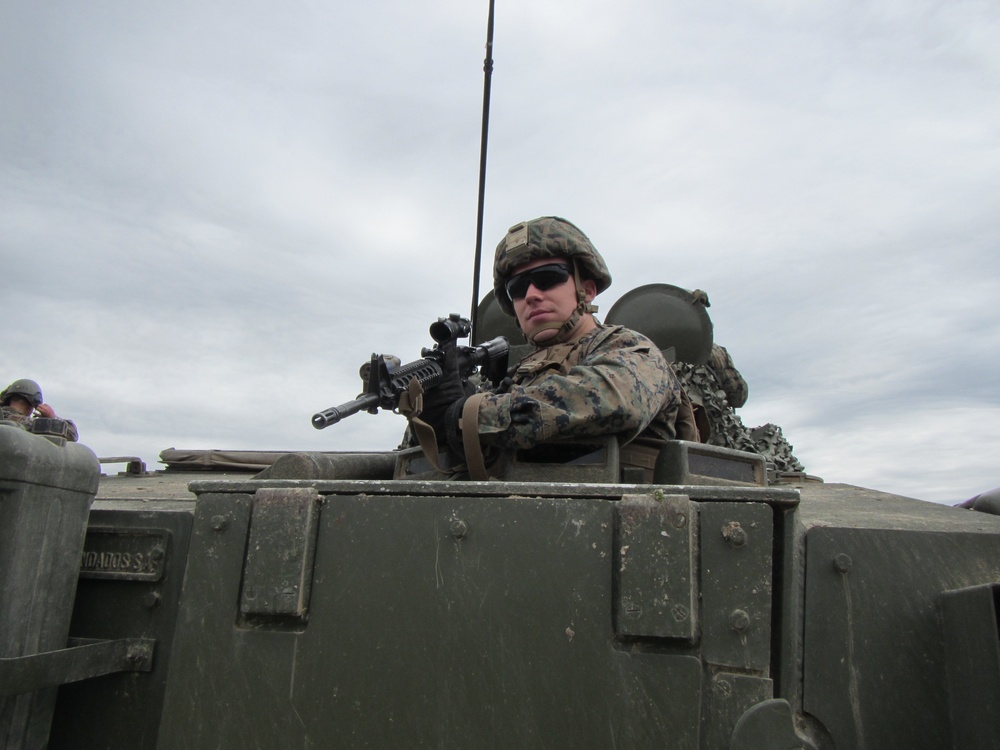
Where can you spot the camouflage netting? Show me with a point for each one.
(771, 443)
(719, 389)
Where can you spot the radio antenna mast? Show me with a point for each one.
(487, 78)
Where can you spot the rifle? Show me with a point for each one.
(385, 381)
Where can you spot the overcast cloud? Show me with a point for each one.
(212, 213)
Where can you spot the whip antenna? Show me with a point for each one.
(487, 77)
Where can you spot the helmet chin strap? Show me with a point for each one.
(565, 328)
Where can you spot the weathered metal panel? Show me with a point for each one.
(768, 724)
(874, 661)
(277, 573)
(972, 658)
(46, 490)
(122, 711)
(681, 462)
(656, 590)
(729, 696)
(456, 621)
(736, 549)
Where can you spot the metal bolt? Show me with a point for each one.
(680, 612)
(739, 620)
(137, 653)
(219, 523)
(459, 528)
(733, 533)
(723, 688)
(156, 553)
(151, 600)
(843, 563)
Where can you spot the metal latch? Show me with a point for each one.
(654, 567)
(277, 570)
(84, 659)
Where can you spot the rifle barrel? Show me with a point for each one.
(334, 414)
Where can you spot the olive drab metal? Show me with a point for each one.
(595, 595)
(46, 489)
(675, 319)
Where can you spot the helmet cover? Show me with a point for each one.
(546, 237)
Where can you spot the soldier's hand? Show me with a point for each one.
(445, 393)
(45, 410)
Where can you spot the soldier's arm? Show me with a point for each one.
(617, 391)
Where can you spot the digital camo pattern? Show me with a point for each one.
(545, 237)
(718, 390)
(11, 415)
(729, 378)
(612, 381)
(770, 442)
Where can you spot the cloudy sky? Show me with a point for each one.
(211, 213)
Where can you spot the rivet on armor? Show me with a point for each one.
(739, 620)
(843, 563)
(151, 600)
(459, 528)
(733, 533)
(722, 688)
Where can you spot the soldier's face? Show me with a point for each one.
(553, 305)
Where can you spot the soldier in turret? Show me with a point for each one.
(21, 403)
(583, 379)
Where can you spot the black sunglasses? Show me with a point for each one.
(542, 277)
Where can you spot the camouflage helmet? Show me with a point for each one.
(545, 237)
(27, 389)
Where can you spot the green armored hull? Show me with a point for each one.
(378, 612)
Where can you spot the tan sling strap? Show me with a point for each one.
(474, 459)
(411, 404)
(411, 401)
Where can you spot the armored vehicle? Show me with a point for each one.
(690, 597)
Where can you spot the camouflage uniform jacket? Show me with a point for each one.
(9, 414)
(610, 381)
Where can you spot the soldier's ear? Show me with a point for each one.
(589, 289)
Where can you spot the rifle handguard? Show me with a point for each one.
(387, 382)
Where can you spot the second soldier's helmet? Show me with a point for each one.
(546, 237)
(27, 389)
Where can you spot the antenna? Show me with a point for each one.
(487, 78)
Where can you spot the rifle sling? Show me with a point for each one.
(411, 404)
(474, 459)
(428, 441)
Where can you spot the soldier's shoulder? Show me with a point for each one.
(13, 416)
(637, 349)
(615, 335)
